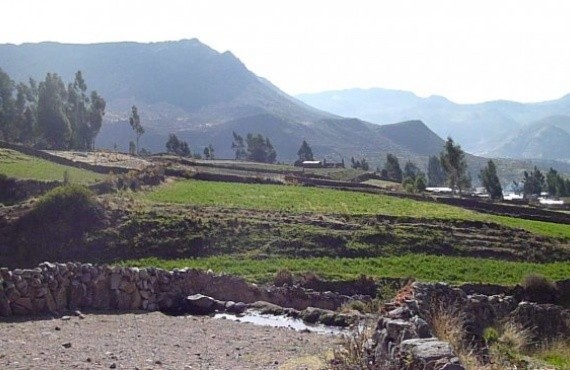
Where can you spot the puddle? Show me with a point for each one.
(281, 322)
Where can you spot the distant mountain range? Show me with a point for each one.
(202, 96)
(480, 128)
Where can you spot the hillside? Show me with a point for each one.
(547, 138)
(478, 127)
(202, 95)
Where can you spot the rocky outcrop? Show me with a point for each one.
(405, 335)
(404, 340)
(57, 287)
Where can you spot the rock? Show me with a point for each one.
(266, 308)
(22, 306)
(236, 308)
(399, 313)
(326, 317)
(12, 294)
(60, 298)
(115, 281)
(425, 353)
(451, 366)
(5, 309)
(199, 304)
(128, 287)
(136, 300)
(421, 327)
(547, 321)
(39, 305)
(66, 345)
(78, 292)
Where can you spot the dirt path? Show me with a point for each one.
(157, 341)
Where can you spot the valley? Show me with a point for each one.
(173, 211)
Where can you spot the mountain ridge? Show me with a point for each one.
(202, 96)
(478, 127)
(187, 88)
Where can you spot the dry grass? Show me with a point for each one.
(555, 353)
(352, 352)
(448, 324)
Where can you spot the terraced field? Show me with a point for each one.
(22, 166)
(254, 229)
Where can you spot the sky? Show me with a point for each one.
(467, 51)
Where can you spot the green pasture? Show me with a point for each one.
(420, 267)
(21, 166)
(319, 200)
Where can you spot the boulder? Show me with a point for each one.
(22, 306)
(235, 308)
(427, 353)
(199, 304)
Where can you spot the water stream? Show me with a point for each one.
(281, 321)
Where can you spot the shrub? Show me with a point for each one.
(283, 277)
(8, 189)
(540, 289)
(490, 335)
(57, 223)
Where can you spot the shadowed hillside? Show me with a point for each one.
(479, 127)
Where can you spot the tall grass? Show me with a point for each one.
(421, 267)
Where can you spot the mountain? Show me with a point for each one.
(479, 128)
(547, 138)
(201, 95)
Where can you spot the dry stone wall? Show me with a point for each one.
(58, 287)
(405, 337)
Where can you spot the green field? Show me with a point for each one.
(318, 200)
(420, 267)
(21, 166)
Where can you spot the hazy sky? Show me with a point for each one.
(468, 51)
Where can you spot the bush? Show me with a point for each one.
(57, 223)
(539, 289)
(8, 189)
(283, 277)
(490, 335)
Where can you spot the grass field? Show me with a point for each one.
(420, 267)
(21, 166)
(312, 199)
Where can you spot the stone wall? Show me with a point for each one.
(405, 337)
(58, 287)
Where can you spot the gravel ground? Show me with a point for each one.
(157, 341)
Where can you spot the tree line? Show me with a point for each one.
(50, 114)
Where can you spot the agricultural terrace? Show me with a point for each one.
(311, 199)
(421, 267)
(17, 165)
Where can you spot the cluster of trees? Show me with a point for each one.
(50, 114)
(256, 148)
(412, 178)
(535, 182)
(359, 164)
(450, 168)
(179, 147)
